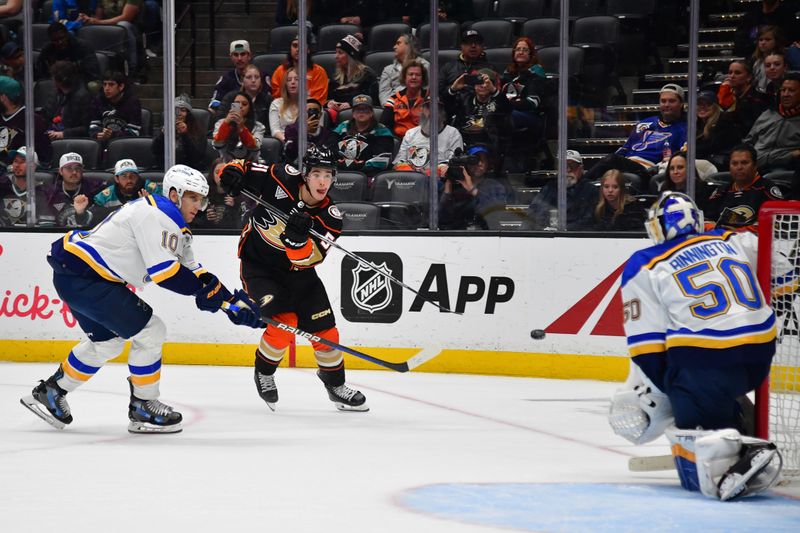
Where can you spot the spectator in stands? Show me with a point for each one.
(776, 134)
(352, 77)
(392, 78)
(316, 77)
(224, 211)
(525, 86)
(116, 112)
(190, 137)
(14, 190)
(617, 210)
(12, 61)
(11, 8)
(317, 130)
(472, 193)
(767, 12)
(716, 131)
(402, 111)
(12, 122)
(415, 149)
(769, 40)
(675, 180)
(252, 84)
(129, 15)
(362, 142)
(68, 109)
(68, 13)
(239, 134)
(653, 140)
(69, 198)
(128, 185)
(736, 206)
(482, 113)
(471, 59)
(232, 80)
(455, 10)
(774, 70)
(582, 198)
(738, 95)
(65, 47)
(283, 110)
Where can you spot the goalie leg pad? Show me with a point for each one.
(683, 454)
(144, 361)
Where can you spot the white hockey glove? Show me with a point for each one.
(639, 411)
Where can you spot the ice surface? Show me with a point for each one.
(436, 453)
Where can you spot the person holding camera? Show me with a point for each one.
(190, 137)
(318, 132)
(470, 191)
(239, 134)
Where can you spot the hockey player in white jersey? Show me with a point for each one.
(147, 239)
(700, 335)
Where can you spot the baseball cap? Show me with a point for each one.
(574, 155)
(239, 46)
(125, 165)
(70, 158)
(673, 88)
(362, 99)
(9, 50)
(10, 87)
(708, 96)
(471, 35)
(22, 151)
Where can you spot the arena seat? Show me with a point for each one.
(326, 60)
(269, 62)
(377, 61)
(350, 186)
(496, 33)
(109, 38)
(147, 122)
(449, 35)
(281, 37)
(359, 215)
(520, 9)
(137, 148)
(89, 149)
(382, 37)
(543, 32)
(330, 34)
(271, 150)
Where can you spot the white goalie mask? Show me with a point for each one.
(182, 179)
(672, 215)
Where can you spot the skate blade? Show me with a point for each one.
(38, 409)
(271, 406)
(354, 408)
(147, 428)
(738, 484)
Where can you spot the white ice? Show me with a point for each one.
(307, 467)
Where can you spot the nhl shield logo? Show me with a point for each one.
(368, 296)
(371, 291)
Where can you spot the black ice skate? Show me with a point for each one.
(48, 401)
(265, 384)
(752, 473)
(152, 416)
(345, 398)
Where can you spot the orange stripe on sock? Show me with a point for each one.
(141, 381)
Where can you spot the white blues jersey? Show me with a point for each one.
(145, 240)
(695, 301)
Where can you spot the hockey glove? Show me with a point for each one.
(232, 178)
(211, 294)
(248, 314)
(296, 233)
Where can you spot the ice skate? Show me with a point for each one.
(751, 474)
(265, 384)
(345, 398)
(48, 401)
(152, 416)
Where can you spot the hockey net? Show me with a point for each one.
(778, 399)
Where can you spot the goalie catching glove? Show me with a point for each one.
(639, 411)
(297, 227)
(211, 294)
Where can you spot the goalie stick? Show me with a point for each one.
(652, 463)
(277, 212)
(412, 363)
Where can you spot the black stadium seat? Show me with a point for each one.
(377, 61)
(543, 32)
(500, 58)
(359, 215)
(548, 57)
(449, 35)
(350, 186)
(520, 9)
(136, 148)
(383, 36)
(269, 62)
(106, 177)
(404, 196)
(39, 34)
(147, 123)
(496, 33)
(281, 37)
(89, 149)
(578, 8)
(109, 38)
(203, 118)
(330, 34)
(482, 9)
(271, 150)
(326, 60)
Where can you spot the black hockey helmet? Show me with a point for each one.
(320, 157)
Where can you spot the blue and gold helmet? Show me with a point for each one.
(672, 215)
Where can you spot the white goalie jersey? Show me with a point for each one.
(695, 301)
(145, 240)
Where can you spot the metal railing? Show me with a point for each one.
(191, 47)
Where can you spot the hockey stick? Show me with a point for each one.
(277, 212)
(652, 463)
(399, 367)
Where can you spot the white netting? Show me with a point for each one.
(784, 397)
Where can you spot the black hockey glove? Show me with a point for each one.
(248, 314)
(296, 233)
(211, 294)
(232, 178)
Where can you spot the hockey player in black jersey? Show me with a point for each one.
(277, 265)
